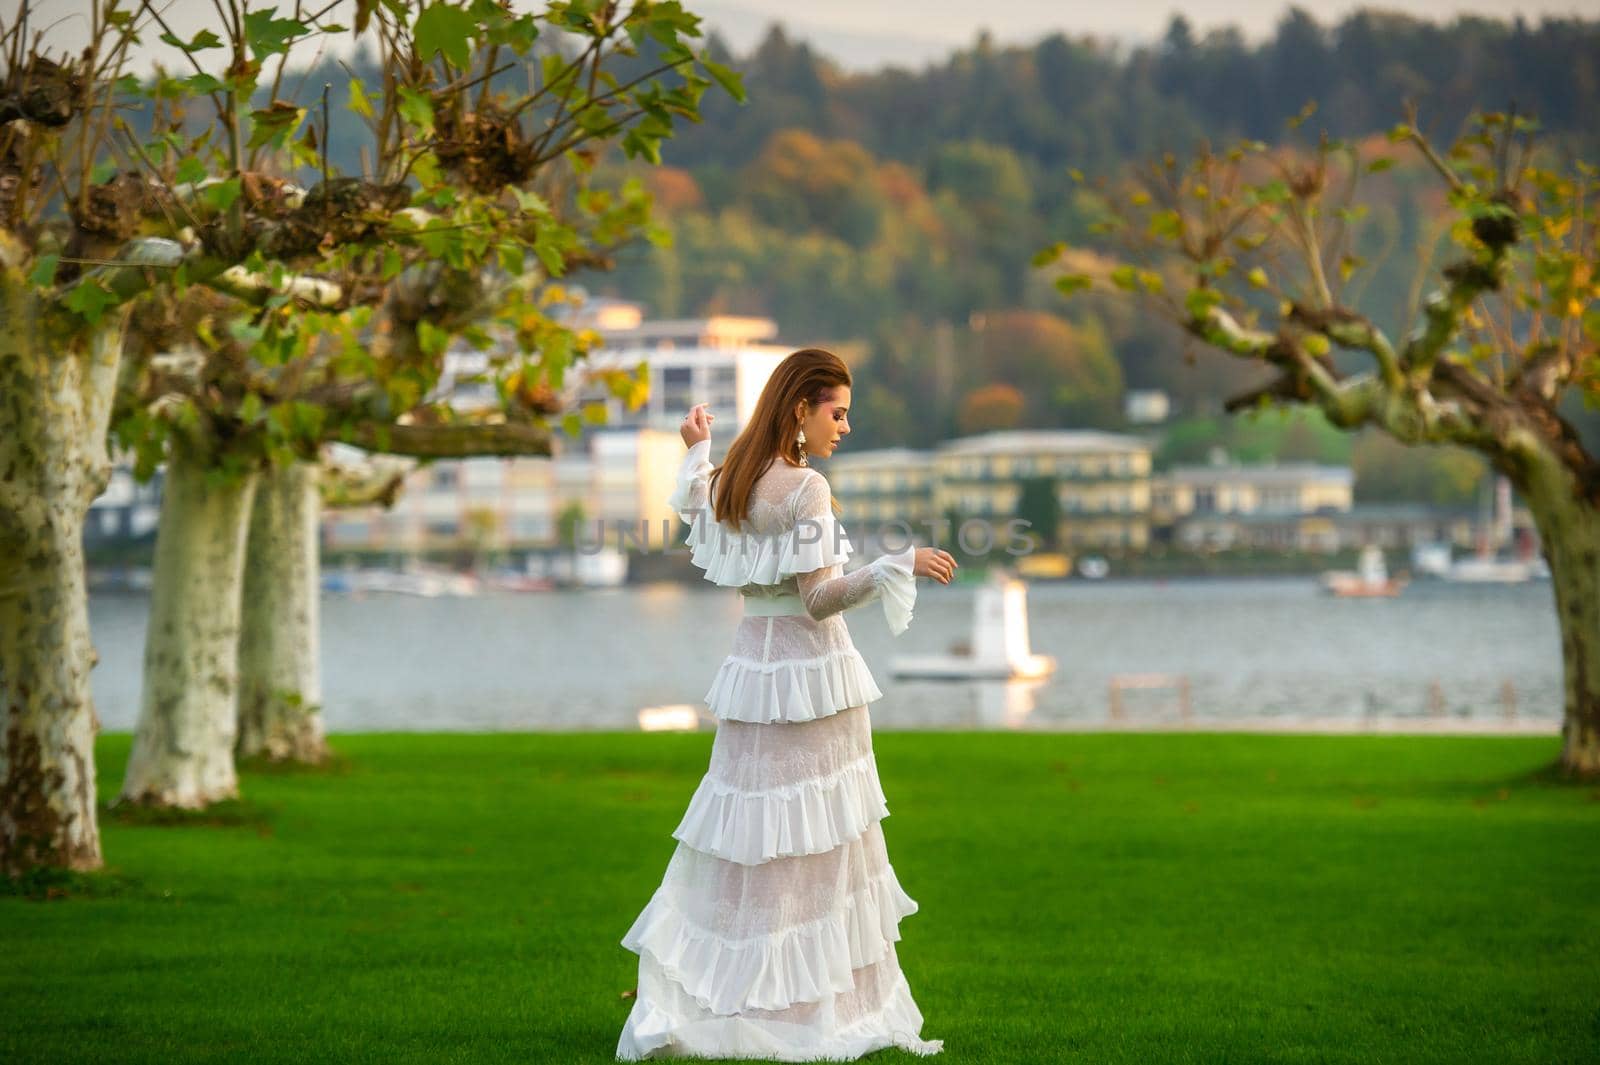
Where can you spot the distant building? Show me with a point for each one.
(1146, 406)
(1101, 480)
(613, 479)
(1228, 488)
(879, 487)
(1222, 505)
(126, 511)
(1389, 525)
(723, 360)
(616, 473)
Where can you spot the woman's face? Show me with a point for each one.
(827, 423)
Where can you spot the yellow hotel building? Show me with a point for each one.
(1102, 482)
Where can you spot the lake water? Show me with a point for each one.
(1255, 653)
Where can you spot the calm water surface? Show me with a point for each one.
(1274, 653)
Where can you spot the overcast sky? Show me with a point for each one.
(863, 34)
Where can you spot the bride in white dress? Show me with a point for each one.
(773, 932)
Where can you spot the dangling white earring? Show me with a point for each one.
(800, 441)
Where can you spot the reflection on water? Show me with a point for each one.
(1269, 653)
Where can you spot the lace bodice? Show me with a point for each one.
(790, 544)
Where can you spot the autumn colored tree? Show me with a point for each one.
(990, 407)
(1064, 371)
(1249, 250)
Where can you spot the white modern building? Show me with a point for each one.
(723, 360)
(616, 473)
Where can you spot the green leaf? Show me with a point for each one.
(1378, 166)
(1198, 303)
(511, 258)
(268, 35)
(358, 99)
(203, 83)
(222, 195)
(250, 409)
(1067, 284)
(447, 29)
(1046, 256)
(44, 271)
(572, 423)
(272, 125)
(198, 43)
(1257, 278)
(103, 173)
(416, 108)
(1317, 344)
(732, 81)
(88, 299)
(431, 339)
(1125, 278)
(1166, 225)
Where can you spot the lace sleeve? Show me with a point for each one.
(827, 591)
(691, 494)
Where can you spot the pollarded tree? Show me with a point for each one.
(1249, 251)
(488, 197)
(474, 198)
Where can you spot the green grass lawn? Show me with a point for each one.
(1141, 898)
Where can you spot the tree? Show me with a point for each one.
(990, 407)
(357, 284)
(1065, 372)
(1249, 251)
(1388, 470)
(1040, 506)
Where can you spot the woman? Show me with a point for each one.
(772, 933)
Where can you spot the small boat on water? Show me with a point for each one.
(423, 583)
(1093, 567)
(1369, 580)
(999, 649)
(1490, 570)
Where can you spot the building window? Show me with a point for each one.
(677, 388)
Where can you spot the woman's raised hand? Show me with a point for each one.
(696, 425)
(932, 562)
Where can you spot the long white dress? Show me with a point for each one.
(772, 934)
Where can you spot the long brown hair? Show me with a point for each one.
(810, 374)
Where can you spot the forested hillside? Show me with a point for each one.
(894, 214)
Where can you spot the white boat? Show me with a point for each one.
(424, 583)
(999, 648)
(605, 567)
(1488, 570)
(1369, 580)
(1093, 567)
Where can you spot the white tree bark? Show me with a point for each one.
(183, 747)
(280, 677)
(55, 402)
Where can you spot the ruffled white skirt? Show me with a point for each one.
(773, 932)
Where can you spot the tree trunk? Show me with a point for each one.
(183, 747)
(280, 681)
(1569, 527)
(55, 400)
